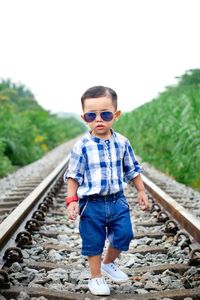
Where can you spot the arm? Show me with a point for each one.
(72, 209)
(72, 187)
(142, 197)
(74, 177)
(132, 170)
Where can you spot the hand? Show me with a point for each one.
(143, 201)
(72, 210)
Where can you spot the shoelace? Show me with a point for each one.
(100, 280)
(114, 267)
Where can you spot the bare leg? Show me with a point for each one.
(110, 269)
(111, 255)
(95, 266)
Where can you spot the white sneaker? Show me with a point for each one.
(98, 286)
(114, 272)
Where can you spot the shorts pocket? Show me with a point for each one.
(82, 207)
(124, 202)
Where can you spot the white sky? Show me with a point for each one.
(59, 48)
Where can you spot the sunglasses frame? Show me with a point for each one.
(102, 115)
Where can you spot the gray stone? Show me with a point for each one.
(16, 267)
(153, 286)
(23, 296)
(141, 291)
(130, 263)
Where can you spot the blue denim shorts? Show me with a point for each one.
(104, 217)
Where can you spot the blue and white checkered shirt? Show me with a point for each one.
(102, 166)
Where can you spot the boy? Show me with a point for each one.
(100, 165)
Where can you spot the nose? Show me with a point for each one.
(98, 117)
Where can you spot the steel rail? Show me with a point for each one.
(188, 221)
(185, 219)
(10, 224)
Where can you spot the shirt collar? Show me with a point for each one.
(102, 141)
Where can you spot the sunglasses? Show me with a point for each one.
(105, 116)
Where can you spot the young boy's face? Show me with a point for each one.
(106, 114)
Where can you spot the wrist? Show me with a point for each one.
(71, 199)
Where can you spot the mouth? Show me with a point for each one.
(99, 126)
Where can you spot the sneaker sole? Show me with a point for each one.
(113, 278)
(98, 294)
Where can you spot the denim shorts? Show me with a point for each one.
(104, 217)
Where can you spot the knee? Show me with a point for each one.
(122, 240)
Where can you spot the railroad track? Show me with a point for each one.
(40, 247)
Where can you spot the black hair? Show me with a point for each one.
(99, 91)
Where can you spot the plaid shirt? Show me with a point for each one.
(102, 166)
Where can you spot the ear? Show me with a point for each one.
(82, 117)
(117, 114)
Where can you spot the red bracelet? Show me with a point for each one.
(71, 199)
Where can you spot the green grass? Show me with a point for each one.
(166, 131)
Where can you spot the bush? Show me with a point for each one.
(27, 131)
(6, 165)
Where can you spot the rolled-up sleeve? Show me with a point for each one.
(131, 166)
(76, 165)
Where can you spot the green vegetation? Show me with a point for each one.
(27, 131)
(166, 131)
